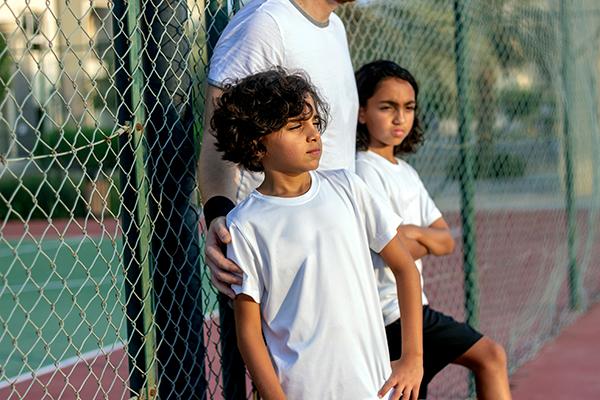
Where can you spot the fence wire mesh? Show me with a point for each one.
(103, 290)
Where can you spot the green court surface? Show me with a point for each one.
(60, 299)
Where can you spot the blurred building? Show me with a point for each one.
(54, 68)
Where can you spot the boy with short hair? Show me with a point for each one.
(302, 239)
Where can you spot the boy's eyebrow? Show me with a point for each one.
(303, 117)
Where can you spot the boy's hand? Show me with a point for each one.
(223, 272)
(407, 373)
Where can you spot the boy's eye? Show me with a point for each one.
(318, 122)
(295, 127)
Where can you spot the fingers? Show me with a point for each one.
(224, 272)
(415, 394)
(405, 383)
(399, 392)
(220, 228)
(222, 288)
(389, 384)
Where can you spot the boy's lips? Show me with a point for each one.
(314, 152)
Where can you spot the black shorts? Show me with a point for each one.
(444, 340)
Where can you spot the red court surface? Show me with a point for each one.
(567, 367)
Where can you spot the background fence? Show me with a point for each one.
(103, 293)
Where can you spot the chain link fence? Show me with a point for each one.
(103, 293)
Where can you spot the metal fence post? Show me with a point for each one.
(172, 170)
(566, 69)
(141, 344)
(232, 364)
(467, 176)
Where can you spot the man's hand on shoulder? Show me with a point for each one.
(223, 272)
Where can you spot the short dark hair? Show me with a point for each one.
(258, 105)
(368, 78)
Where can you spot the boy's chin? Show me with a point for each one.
(315, 166)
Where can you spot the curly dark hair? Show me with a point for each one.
(368, 78)
(258, 105)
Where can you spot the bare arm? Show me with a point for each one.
(407, 372)
(216, 177)
(253, 349)
(416, 249)
(436, 238)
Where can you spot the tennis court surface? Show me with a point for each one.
(63, 328)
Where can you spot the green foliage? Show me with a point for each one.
(490, 165)
(39, 196)
(6, 63)
(55, 196)
(102, 155)
(520, 103)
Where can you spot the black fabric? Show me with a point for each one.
(217, 206)
(444, 340)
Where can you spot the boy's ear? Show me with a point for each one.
(361, 115)
(262, 151)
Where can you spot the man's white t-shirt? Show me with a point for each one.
(306, 260)
(400, 185)
(268, 33)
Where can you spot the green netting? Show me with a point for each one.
(103, 293)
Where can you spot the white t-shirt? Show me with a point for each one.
(268, 33)
(400, 185)
(306, 260)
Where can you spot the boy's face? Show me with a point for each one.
(296, 148)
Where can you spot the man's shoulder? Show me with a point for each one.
(264, 12)
(256, 14)
(336, 21)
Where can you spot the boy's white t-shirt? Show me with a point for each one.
(268, 33)
(400, 185)
(306, 260)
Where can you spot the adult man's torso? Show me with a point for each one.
(268, 33)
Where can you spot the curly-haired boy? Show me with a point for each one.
(302, 239)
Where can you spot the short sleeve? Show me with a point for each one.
(240, 252)
(372, 178)
(381, 222)
(245, 48)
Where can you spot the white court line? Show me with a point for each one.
(105, 351)
(43, 245)
(29, 287)
(61, 365)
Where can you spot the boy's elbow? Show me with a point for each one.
(444, 246)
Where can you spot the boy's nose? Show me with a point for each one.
(313, 133)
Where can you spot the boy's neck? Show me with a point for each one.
(319, 10)
(281, 184)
